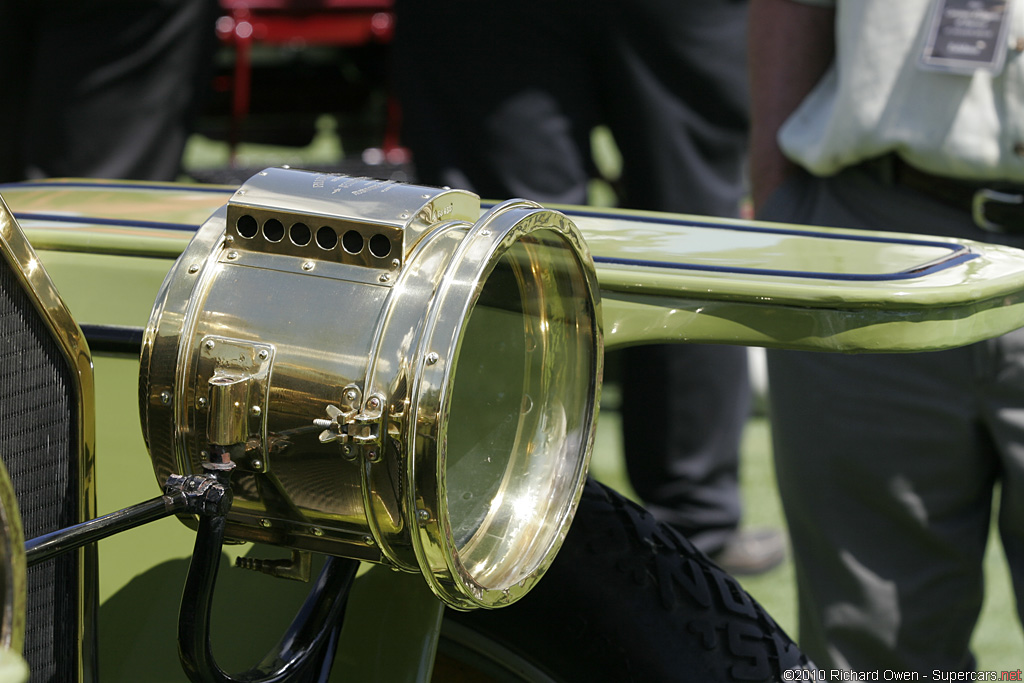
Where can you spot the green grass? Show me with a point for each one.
(203, 153)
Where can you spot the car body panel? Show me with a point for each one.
(663, 277)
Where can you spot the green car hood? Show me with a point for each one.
(663, 277)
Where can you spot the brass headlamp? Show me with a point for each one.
(397, 378)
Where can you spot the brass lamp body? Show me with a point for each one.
(397, 378)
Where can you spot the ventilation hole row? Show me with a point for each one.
(301, 235)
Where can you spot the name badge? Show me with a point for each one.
(965, 36)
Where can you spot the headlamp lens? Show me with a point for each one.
(521, 409)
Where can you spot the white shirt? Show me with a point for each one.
(875, 99)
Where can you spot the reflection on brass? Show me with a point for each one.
(229, 410)
(417, 384)
(12, 568)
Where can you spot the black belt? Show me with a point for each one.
(996, 207)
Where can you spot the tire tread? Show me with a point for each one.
(631, 599)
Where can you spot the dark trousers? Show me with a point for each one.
(104, 88)
(501, 98)
(888, 463)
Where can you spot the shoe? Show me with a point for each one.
(751, 551)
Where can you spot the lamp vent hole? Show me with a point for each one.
(300, 234)
(273, 230)
(380, 246)
(326, 238)
(247, 226)
(352, 241)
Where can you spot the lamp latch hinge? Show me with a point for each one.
(355, 422)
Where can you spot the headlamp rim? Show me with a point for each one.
(483, 246)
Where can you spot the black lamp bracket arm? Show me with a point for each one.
(305, 652)
(203, 494)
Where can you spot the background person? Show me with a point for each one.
(103, 88)
(501, 98)
(887, 464)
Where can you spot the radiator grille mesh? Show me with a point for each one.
(38, 445)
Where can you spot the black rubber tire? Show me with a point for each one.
(627, 599)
